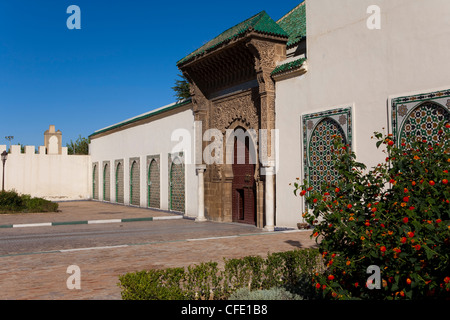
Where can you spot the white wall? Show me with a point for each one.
(350, 65)
(53, 177)
(153, 138)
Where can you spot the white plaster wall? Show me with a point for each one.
(153, 138)
(53, 177)
(350, 65)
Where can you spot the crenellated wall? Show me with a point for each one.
(54, 177)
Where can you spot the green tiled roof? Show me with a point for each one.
(288, 66)
(294, 23)
(142, 117)
(260, 22)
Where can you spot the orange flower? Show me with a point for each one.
(408, 281)
(410, 234)
(403, 240)
(348, 262)
(416, 157)
(331, 277)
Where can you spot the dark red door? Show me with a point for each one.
(244, 187)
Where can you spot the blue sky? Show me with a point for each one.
(121, 63)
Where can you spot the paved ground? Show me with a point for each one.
(43, 275)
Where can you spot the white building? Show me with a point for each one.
(350, 66)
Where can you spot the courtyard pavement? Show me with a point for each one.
(43, 276)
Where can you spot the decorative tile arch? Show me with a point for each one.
(106, 181)
(177, 182)
(95, 180)
(119, 175)
(135, 181)
(417, 116)
(153, 182)
(318, 131)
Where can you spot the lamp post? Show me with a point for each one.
(9, 138)
(4, 157)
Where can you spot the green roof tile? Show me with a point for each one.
(260, 22)
(288, 66)
(143, 117)
(294, 23)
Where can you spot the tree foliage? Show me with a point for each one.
(182, 88)
(79, 147)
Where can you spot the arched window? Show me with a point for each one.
(177, 185)
(94, 182)
(153, 180)
(119, 182)
(106, 182)
(135, 183)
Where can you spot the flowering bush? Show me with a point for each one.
(394, 216)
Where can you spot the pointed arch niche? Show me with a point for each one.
(318, 131)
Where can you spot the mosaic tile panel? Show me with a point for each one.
(119, 181)
(176, 183)
(95, 180)
(154, 182)
(422, 123)
(135, 182)
(318, 132)
(417, 116)
(106, 181)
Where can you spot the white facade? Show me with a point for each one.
(158, 134)
(352, 66)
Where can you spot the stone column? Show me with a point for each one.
(268, 171)
(201, 193)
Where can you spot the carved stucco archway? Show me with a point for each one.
(233, 88)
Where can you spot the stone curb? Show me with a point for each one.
(65, 223)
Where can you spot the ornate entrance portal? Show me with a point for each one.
(232, 87)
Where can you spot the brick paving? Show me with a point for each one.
(43, 276)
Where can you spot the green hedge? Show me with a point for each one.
(12, 202)
(290, 270)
